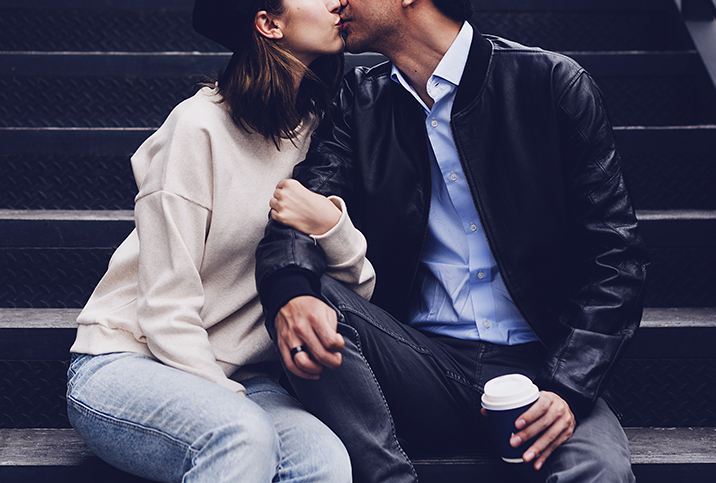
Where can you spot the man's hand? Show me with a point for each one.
(308, 322)
(549, 415)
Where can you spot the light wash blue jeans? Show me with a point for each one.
(164, 424)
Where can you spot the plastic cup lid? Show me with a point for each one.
(509, 392)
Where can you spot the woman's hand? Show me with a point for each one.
(302, 209)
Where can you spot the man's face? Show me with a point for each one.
(367, 24)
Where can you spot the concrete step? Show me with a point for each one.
(164, 25)
(55, 258)
(89, 169)
(658, 455)
(667, 377)
(61, 89)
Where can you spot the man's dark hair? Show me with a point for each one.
(459, 10)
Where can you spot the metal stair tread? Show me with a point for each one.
(126, 139)
(480, 5)
(60, 447)
(45, 318)
(126, 215)
(665, 333)
(167, 64)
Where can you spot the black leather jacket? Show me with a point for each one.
(539, 155)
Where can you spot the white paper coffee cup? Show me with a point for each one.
(506, 398)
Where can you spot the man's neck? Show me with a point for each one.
(423, 47)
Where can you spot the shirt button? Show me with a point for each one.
(480, 274)
(434, 123)
(487, 324)
(453, 176)
(473, 227)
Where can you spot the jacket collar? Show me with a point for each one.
(475, 72)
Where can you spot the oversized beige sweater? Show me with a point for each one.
(181, 287)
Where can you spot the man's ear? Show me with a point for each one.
(268, 26)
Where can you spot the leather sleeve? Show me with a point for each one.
(606, 299)
(289, 263)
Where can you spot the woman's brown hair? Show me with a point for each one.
(258, 85)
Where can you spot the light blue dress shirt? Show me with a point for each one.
(459, 291)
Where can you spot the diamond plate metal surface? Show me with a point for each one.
(91, 101)
(66, 182)
(666, 393)
(659, 393)
(147, 30)
(32, 394)
(650, 101)
(570, 31)
(60, 278)
(146, 101)
(681, 278)
(67, 277)
(659, 181)
(117, 30)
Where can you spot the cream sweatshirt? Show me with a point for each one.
(181, 287)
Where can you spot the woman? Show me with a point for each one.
(173, 376)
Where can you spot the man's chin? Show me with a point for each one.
(352, 47)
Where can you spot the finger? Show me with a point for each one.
(327, 334)
(320, 354)
(303, 361)
(539, 416)
(535, 412)
(531, 430)
(542, 455)
(545, 440)
(289, 362)
(559, 432)
(287, 340)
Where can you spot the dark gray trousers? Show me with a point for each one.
(401, 392)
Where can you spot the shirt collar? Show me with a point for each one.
(452, 65)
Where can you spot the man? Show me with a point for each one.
(485, 178)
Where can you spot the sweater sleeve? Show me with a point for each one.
(345, 248)
(173, 211)
(170, 294)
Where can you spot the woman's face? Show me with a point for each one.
(311, 28)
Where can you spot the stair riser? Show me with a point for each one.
(166, 26)
(47, 262)
(40, 101)
(656, 393)
(678, 176)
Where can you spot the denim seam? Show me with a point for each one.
(461, 380)
(128, 424)
(394, 335)
(385, 403)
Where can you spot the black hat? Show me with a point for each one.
(227, 22)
